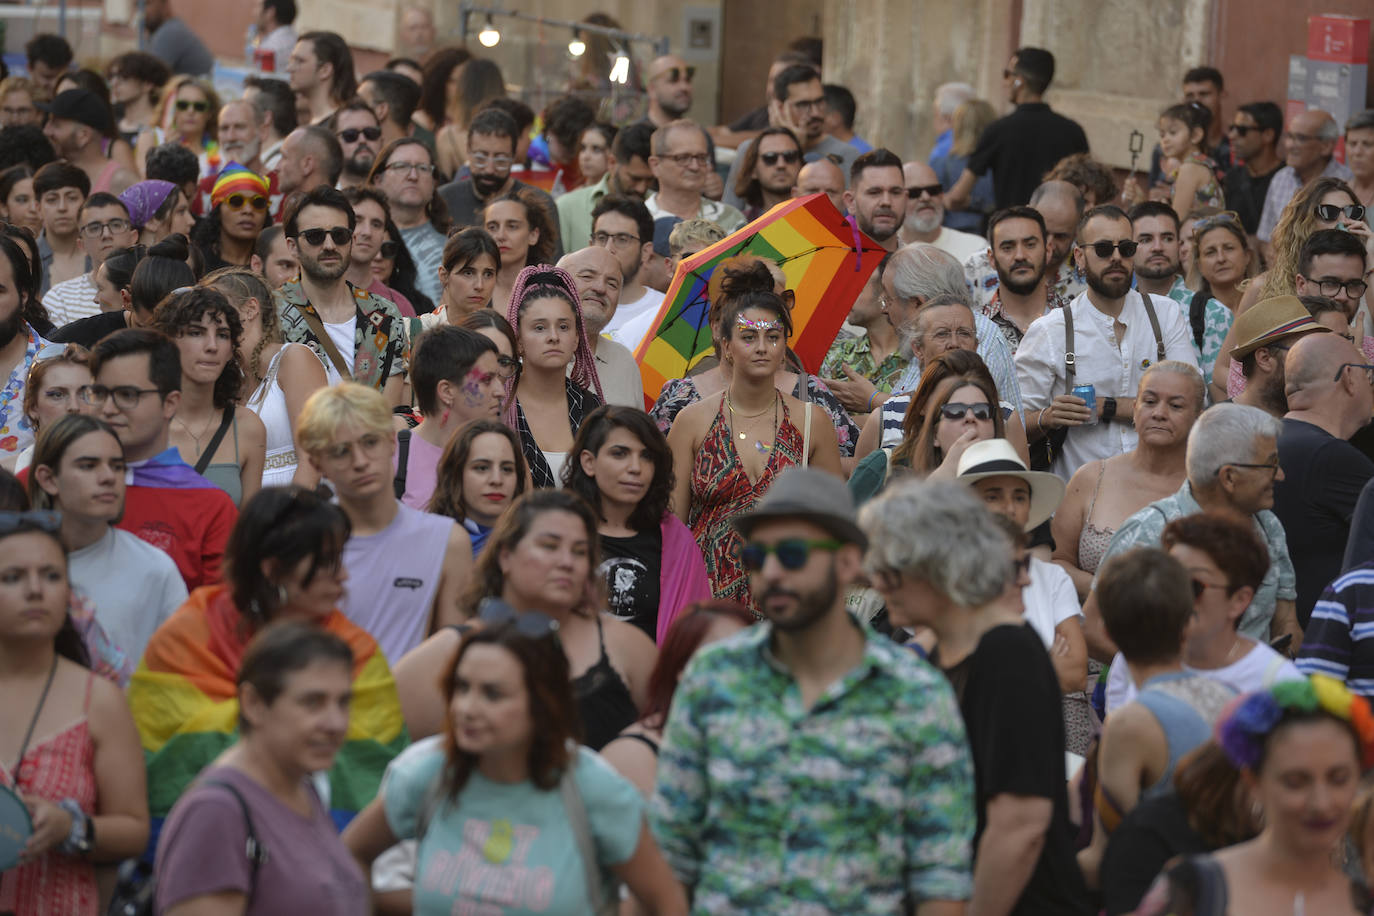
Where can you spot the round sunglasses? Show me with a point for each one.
(237, 201)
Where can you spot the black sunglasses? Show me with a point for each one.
(957, 411)
(352, 134)
(186, 105)
(388, 249)
(934, 190)
(1199, 587)
(341, 235)
(675, 73)
(41, 519)
(1331, 212)
(1103, 249)
(534, 624)
(791, 157)
(792, 552)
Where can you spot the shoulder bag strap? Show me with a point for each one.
(316, 325)
(1070, 360)
(806, 435)
(208, 455)
(429, 804)
(1154, 326)
(582, 833)
(256, 852)
(402, 458)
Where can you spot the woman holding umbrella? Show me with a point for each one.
(737, 442)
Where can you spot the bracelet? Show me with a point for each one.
(870, 399)
(1040, 419)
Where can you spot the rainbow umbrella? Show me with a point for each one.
(825, 257)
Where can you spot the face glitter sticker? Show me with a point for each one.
(744, 324)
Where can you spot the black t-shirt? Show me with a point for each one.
(1021, 147)
(1010, 699)
(753, 120)
(87, 331)
(1315, 501)
(1153, 832)
(630, 566)
(1245, 194)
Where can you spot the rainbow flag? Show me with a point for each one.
(825, 257)
(185, 705)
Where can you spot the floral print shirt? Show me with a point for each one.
(379, 340)
(1216, 324)
(16, 433)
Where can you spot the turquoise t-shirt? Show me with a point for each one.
(508, 847)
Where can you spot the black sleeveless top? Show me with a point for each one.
(603, 700)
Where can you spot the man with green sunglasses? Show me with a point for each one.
(769, 728)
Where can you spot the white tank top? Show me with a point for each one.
(269, 403)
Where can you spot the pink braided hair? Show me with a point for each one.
(543, 279)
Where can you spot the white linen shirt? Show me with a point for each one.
(1114, 371)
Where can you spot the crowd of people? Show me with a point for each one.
(343, 549)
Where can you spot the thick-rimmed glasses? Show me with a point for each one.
(126, 397)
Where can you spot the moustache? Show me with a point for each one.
(777, 593)
(1023, 264)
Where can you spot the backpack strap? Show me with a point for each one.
(582, 833)
(402, 458)
(429, 804)
(1154, 325)
(256, 852)
(806, 435)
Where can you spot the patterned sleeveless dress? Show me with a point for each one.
(1209, 193)
(721, 491)
(60, 766)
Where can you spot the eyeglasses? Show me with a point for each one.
(1241, 129)
(943, 335)
(1344, 366)
(1330, 287)
(422, 168)
(792, 552)
(934, 190)
(237, 201)
(1301, 138)
(42, 519)
(675, 73)
(614, 239)
(791, 157)
(506, 366)
(368, 444)
(185, 105)
(536, 625)
(954, 410)
(1103, 249)
(96, 230)
(1272, 467)
(352, 134)
(339, 235)
(483, 160)
(683, 160)
(126, 397)
(1330, 212)
(804, 105)
(388, 250)
(1199, 587)
(1021, 566)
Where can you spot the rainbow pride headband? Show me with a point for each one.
(1242, 728)
(744, 324)
(235, 179)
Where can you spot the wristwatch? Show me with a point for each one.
(1108, 409)
(81, 839)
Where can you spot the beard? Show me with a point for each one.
(924, 221)
(811, 606)
(873, 232)
(318, 272)
(487, 185)
(1159, 273)
(1009, 282)
(1273, 394)
(1113, 288)
(11, 326)
(360, 163)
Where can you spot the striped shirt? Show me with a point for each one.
(1339, 640)
(71, 300)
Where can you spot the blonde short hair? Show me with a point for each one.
(329, 408)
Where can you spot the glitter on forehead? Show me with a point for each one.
(744, 324)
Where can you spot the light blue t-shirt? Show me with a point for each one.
(508, 847)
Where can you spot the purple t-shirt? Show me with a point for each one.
(422, 472)
(201, 851)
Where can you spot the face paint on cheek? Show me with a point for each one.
(473, 384)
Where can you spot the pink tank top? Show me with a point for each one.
(102, 181)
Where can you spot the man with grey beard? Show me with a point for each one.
(925, 215)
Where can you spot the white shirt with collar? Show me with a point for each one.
(1114, 371)
(619, 374)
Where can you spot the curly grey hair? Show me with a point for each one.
(941, 534)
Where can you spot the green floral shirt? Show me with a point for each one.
(1217, 320)
(856, 353)
(855, 805)
(379, 340)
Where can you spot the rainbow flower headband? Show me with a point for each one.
(744, 324)
(1242, 730)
